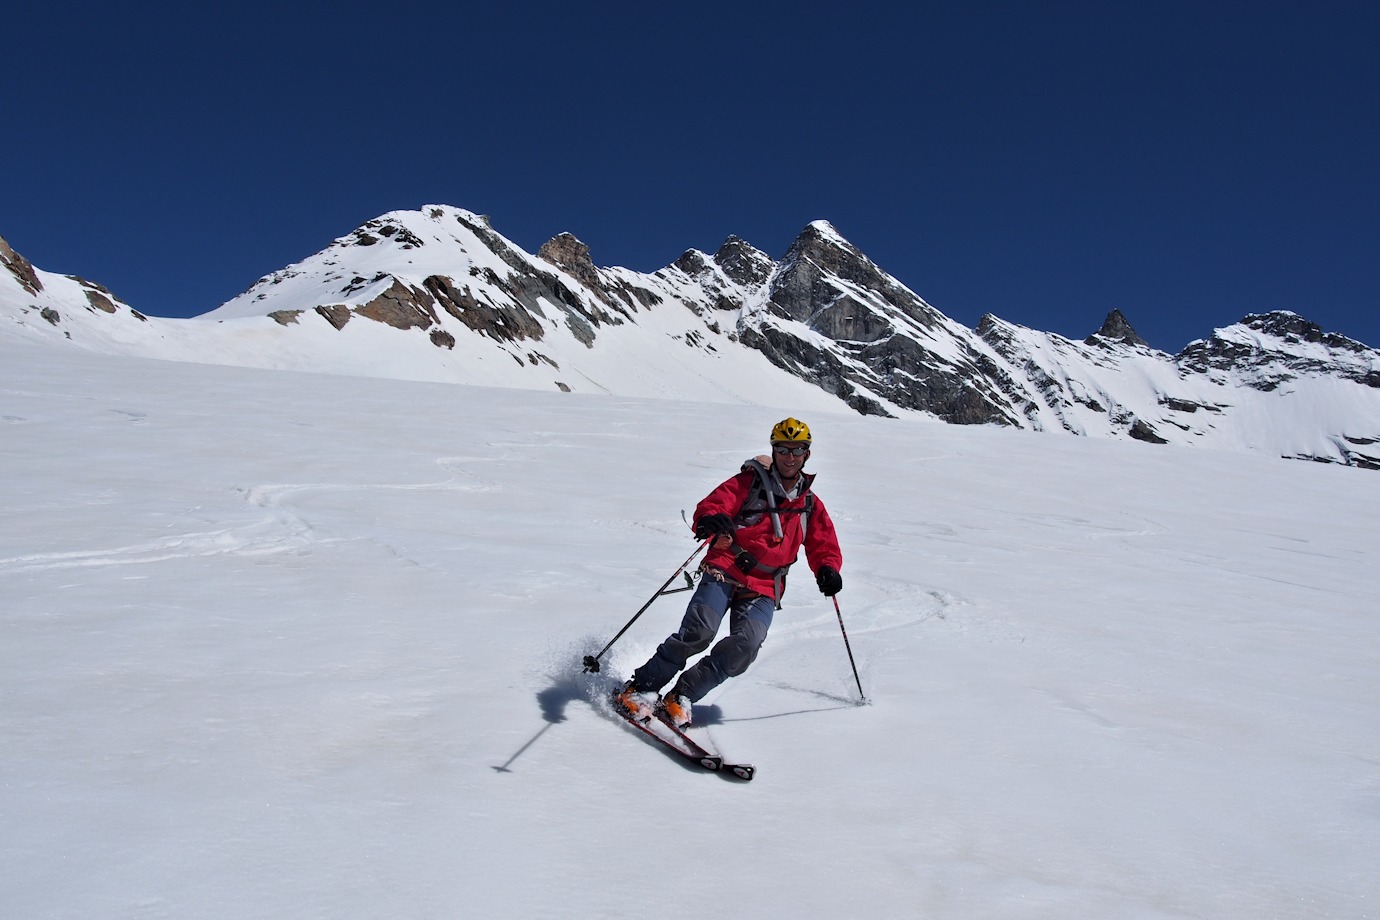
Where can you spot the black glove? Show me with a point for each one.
(829, 580)
(713, 525)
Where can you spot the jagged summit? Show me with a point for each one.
(1116, 328)
(440, 294)
(743, 262)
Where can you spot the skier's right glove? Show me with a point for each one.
(713, 525)
(829, 580)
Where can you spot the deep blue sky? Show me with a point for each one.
(1186, 162)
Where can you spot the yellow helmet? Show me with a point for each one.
(790, 429)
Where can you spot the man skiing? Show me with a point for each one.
(758, 520)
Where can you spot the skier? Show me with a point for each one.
(758, 520)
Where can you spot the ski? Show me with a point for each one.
(744, 771)
(695, 755)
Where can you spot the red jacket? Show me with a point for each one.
(756, 528)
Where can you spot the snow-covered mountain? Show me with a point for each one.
(438, 294)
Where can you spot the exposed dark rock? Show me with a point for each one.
(804, 360)
(744, 263)
(401, 307)
(1180, 405)
(535, 356)
(1294, 328)
(1143, 432)
(566, 251)
(802, 289)
(700, 268)
(401, 235)
(692, 262)
(442, 339)
(337, 314)
(50, 315)
(20, 267)
(286, 317)
(1115, 328)
(99, 301)
(503, 324)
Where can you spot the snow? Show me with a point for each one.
(290, 645)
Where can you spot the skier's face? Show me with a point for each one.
(789, 457)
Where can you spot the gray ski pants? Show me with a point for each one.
(750, 618)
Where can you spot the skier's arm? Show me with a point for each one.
(714, 515)
(727, 498)
(822, 541)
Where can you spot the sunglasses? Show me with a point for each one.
(793, 451)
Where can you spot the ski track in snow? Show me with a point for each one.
(285, 528)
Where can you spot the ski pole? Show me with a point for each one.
(592, 661)
(862, 696)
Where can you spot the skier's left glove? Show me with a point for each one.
(829, 580)
(713, 525)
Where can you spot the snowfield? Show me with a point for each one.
(287, 645)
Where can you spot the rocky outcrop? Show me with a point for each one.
(501, 323)
(19, 267)
(572, 256)
(744, 263)
(566, 251)
(402, 307)
(337, 314)
(1115, 328)
(97, 296)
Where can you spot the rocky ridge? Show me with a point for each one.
(446, 283)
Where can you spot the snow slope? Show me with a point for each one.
(281, 645)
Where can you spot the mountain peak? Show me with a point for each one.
(567, 251)
(1116, 328)
(1291, 327)
(825, 229)
(743, 262)
(820, 234)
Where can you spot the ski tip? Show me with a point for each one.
(744, 771)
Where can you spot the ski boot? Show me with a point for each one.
(633, 704)
(677, 709)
